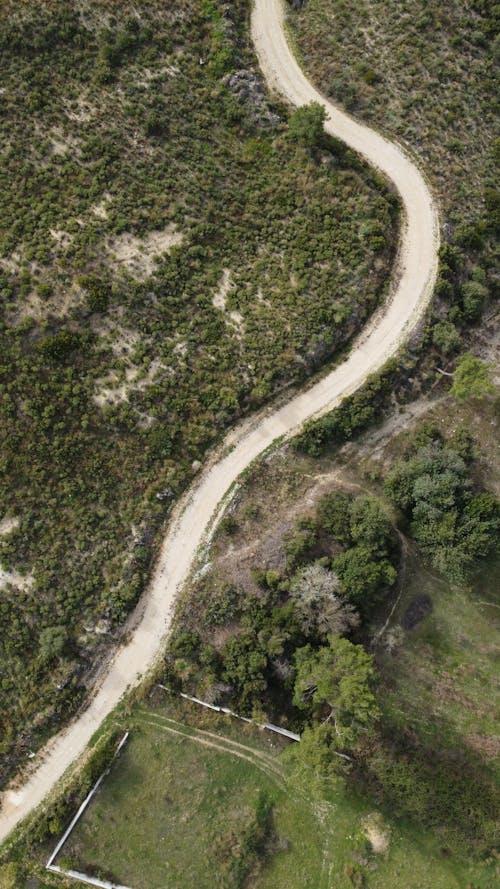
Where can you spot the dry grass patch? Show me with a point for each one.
(377, 832)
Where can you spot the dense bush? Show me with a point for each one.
(453, 525)
(313, 597)
(306, 125)
(354, 414)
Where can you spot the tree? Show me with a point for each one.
(335, 684)
(306, 124)
(471, 378)
(435, 474)
(363, 576)
(370, 526)
(451, 524)
(244, 665)
(52, 642)
(333, 512)
(445, 337)
(318, 606)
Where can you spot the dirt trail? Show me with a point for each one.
(192, 517)
(199, 738)
(228, 742)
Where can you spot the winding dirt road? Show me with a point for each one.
(417, 267)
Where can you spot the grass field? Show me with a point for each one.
(175, 812)
(178, 804)
(443, 680)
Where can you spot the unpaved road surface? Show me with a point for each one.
(417, 267)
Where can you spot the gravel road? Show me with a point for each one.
(412, 289)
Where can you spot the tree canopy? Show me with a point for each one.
(453, 526)
(335, 684)
(471, 378)
(318, 605)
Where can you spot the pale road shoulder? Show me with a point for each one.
(417, 268)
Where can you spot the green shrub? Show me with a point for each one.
(471, 378)
(52, 643)
(474, 296)
(334, 515)
(61, 346)
(446, 337)
(306, 125)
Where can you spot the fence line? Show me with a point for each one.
(293, 736)
(102, 884)
(84, 878)
(105, 884)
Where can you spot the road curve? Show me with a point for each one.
(417, 268)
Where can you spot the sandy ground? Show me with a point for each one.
(193, 515)
(137, 255)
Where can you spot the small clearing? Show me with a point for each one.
(63, 239)
(220, 297)
(61, 143)
(14, 578)
(121, 340)
(137, 256)
(219, 301)
(115, 390)
(8, 524)
(100, 209)
(80, 110)
(147, 76)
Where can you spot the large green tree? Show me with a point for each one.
(335, 685)
(452, 525)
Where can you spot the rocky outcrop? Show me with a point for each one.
(249, 90)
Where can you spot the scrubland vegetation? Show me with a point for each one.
(426, 73)
(350, 592)
(170, 256)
